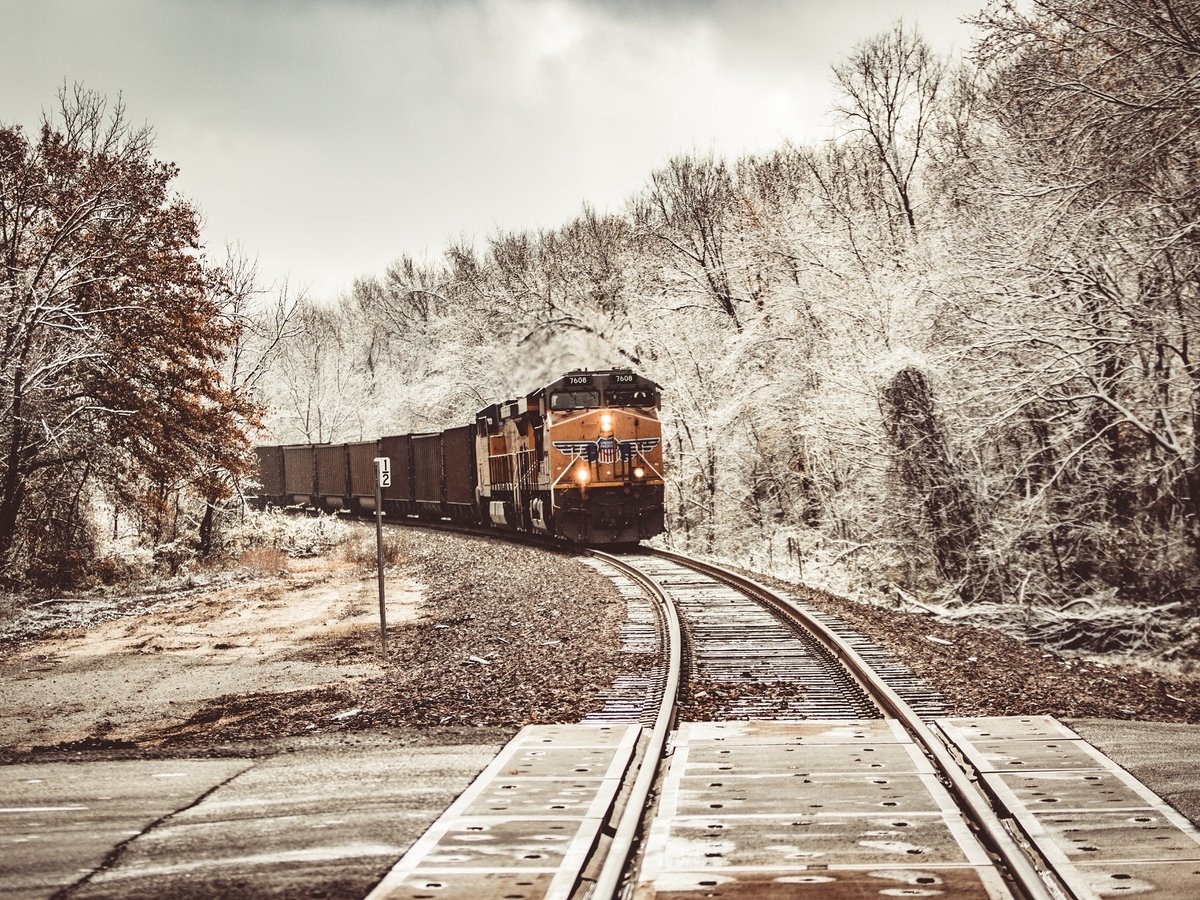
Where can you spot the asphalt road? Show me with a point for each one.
(325, 817)
(1163, 756)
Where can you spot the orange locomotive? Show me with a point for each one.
(581, 458)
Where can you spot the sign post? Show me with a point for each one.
(383, 478)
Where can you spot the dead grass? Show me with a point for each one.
(264, 561)
(351, 608)
(362, 550)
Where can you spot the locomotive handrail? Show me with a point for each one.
(566, 469)
(642, 457)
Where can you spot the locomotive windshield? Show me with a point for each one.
(632, 396)
(574, 400)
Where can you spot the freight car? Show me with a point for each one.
(580, 459)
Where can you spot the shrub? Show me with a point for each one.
(362, 550)
(264, 560)
(296, 536)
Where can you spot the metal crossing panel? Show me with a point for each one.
(527, 825)
(1103, 832)
(821, 809)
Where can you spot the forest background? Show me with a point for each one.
(945, 359)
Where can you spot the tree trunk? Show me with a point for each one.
(9, 510)
(12, 496)
(206, 529)
(925, 466)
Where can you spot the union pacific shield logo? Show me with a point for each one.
(606, 449)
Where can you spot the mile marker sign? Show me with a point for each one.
(383, 478)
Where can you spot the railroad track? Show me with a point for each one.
(743, 632)
(821, 775)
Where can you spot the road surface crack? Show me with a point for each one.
(113, 858)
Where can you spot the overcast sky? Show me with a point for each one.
(331, 136)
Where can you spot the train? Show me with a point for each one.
(580, 459)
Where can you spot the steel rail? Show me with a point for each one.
(995, 836)
(608, 881)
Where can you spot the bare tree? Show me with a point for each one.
(322, 394)
(1099, 101)
(688, 212)
(891, 84)
(263, 318)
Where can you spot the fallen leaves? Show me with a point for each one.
(508, 635)
(989, 673)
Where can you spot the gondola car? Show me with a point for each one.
(332, 465)
(271, 489)
(580, 459)
(361, 486)
(300, 475)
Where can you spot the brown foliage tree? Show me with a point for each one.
(112, 341)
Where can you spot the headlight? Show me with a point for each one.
(639, 472)
(605, 422)
(582, 475)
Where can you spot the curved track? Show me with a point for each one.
(781, 640)
(759, 795)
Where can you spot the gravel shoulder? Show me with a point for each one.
(481, 633)
(984, 672)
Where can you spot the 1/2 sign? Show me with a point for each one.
(383, 471)
(383, 479)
